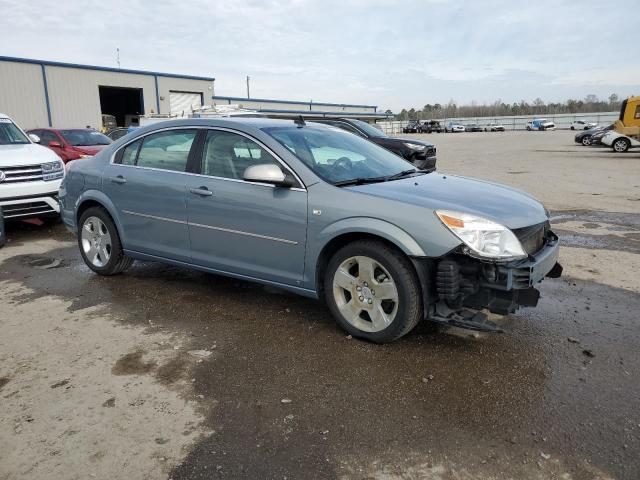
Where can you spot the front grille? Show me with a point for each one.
(532, 238)
(28, 173)
(31, 209)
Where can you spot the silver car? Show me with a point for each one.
(315, 210)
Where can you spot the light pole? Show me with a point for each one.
(248, 96)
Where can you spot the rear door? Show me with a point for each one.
(246, 228)
(146, 183)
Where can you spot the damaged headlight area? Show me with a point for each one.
(482, 237)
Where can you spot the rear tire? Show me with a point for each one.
(100, 244)
(373, 291)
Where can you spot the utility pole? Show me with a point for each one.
(118, 56)
(248, 96)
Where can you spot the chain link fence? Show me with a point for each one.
(518, 122)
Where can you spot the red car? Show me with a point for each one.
(73, 143)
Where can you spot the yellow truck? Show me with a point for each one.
(626, 131)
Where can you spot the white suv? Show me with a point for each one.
(582, 125)
(30, 174)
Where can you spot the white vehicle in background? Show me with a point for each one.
(618, 142)
(540, 124)
(30, 174)
(582, 125)
(454, 127)
(494, 127)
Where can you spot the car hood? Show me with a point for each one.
(88, 149)
(505, 205)
(25, 154)
(397, 140)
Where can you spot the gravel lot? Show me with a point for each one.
(167, 373)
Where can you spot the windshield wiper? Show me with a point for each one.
(403, 173)
(359, 181)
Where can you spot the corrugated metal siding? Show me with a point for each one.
(75, 99)
(167, 84)
(22, 94)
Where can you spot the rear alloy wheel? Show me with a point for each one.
(586, 140)
(373, 291)
(621, 145)
(99, 243)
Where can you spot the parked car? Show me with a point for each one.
(412, 127)
(541, 124)
(431, 126)
(582, 125)
(454, 127)
(618, 142)
(72, 144)
(494, 127)
(586, 137)
(118, 133)
(472, 127)
(596, 138)
(420, 154)
(317, 211)
(30, 174)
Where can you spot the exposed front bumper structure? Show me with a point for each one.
(464, 282)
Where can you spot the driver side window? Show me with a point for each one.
(228, 155)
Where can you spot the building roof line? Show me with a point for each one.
(295, 102)
(49, 63)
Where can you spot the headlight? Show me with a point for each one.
(52, 170)
(484, 238)
(414, 146)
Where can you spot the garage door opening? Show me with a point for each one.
(182, 103)
(125, 104)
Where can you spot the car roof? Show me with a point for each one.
(254, 122)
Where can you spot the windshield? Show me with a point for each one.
(10, 134)
(84, 138)
(369, 129)
(338, 156)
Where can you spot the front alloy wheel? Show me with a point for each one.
(96, 242)
(373, 291)
(586, 140)
(621, 145)
(99, 243)
(365, 294)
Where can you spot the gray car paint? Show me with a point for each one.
(242, 244)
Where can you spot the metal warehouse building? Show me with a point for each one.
(38, 93)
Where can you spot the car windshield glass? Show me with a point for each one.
(10, 134)
(84, 137)
(340, 157)
(369, 129)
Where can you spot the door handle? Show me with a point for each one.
(119, 179)
(202, 191)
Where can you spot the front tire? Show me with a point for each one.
(572, 127)
(373, 291)
(621, 145)
(586, 140)
(100, 244)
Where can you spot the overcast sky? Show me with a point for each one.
(393, 54)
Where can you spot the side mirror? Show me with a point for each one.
(55, 144)
(34, 138)
(268, 173)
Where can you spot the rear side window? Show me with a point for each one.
(130, 152)
(168, 150)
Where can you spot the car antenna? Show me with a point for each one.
(300, 121)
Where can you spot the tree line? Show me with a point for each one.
(590, 104)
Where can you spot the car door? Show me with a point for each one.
(247, 228)
(146, 183)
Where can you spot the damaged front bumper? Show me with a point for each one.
(462, 282)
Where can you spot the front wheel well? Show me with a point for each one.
(336, 244)
(87, 204)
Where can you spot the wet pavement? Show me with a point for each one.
(285, 394)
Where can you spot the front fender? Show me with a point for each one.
(372, 226)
